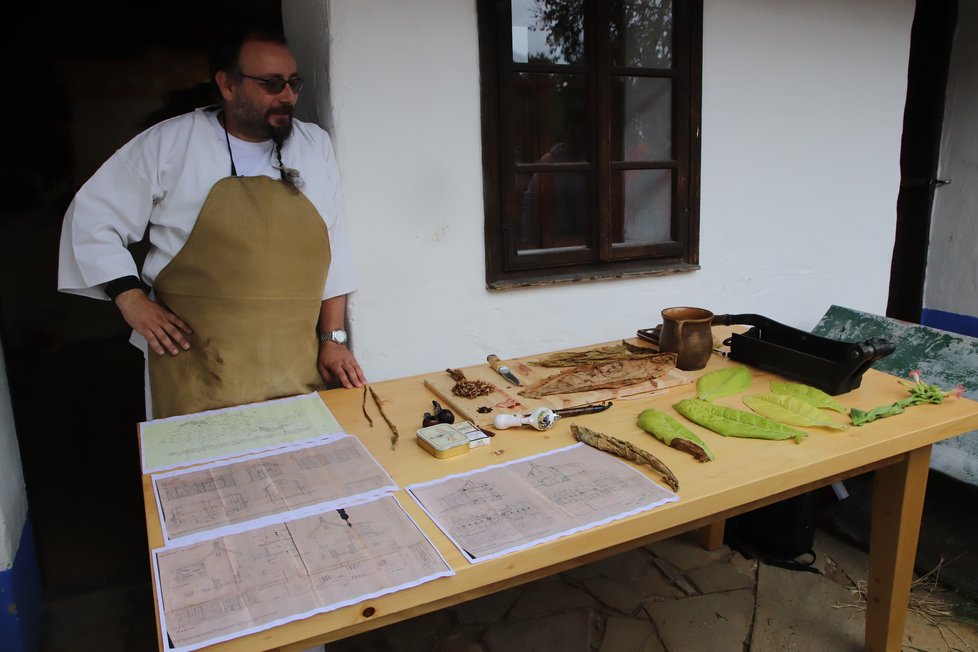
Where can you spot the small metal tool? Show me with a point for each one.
(502, 369)
(592, 408)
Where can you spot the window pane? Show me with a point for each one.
(641, 33)
(548, 31)
(643, 207)
(553, 210)
(548, 118)
(643, 125)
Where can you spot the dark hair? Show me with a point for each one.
(226, 50)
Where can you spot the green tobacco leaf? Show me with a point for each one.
(810, 395)
(722, 382)
(673, 433)
(731, 422)
(861, 417)
(790, 410)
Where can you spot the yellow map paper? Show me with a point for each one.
(207, 436)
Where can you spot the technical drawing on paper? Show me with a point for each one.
(226, 493)
(509, 507)
(194, 438)
(244, 581)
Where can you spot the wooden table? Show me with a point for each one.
(746, 474)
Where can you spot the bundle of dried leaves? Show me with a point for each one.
(626, 450)
(612, 374)
(623, 351)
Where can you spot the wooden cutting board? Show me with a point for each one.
(506, 399)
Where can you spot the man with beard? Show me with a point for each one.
(242, 295)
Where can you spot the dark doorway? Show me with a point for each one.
(96, 75)
(923, 119)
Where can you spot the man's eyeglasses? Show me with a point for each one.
(275, 85)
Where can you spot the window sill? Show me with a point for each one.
(546, 280)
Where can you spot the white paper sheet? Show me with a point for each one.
(222, 588)
(209, 500)
(507, 507)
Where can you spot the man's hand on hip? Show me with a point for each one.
(336, 363)
(163, 330)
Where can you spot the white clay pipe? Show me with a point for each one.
(541, 419)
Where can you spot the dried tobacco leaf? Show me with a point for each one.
(626, 450)
(790, 410)
(623, 351)
(722, 382)
(810, 395)
(638, 348)
(731, 422)
(666, 429)
(606, 375)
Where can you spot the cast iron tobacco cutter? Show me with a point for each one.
(834, 366)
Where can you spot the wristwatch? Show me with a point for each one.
(338, 336)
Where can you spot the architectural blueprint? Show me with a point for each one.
(228, 492)
(205, 436)
(500, 509)
(225, 587)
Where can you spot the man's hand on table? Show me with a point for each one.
(337, 364)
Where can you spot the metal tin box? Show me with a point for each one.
(443, 440)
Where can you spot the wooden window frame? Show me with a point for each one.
(602, 262)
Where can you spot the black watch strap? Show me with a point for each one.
(116, 287)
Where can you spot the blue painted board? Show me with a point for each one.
(21, 606)
(945, 359)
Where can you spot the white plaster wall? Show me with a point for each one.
(802, 119)
(952, 275)
(13, 498)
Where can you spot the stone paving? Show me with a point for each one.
(674, 596)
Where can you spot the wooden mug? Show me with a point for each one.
(687, 332)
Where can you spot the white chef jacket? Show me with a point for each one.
(161, 178)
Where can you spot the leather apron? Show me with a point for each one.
(249, 281)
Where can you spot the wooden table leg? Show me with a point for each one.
(711, 536)
(898, 502)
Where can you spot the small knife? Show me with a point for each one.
(590, 408)
(502, 369)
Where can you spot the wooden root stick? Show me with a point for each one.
(626, 450)
(393, 428)
(364, 407)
